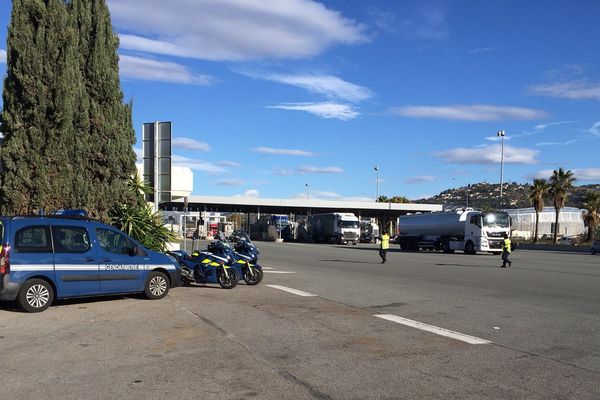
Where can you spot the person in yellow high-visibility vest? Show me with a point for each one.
(384, 246)
(506, 249)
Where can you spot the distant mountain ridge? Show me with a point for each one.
(514, 195)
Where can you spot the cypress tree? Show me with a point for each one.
(68, 135)
(37, 115)
(110, 158)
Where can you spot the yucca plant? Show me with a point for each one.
(140, 222)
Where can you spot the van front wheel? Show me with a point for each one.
(35, 295)
(156, 286)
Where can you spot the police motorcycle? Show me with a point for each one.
(205, 267)
(243, 262)
(246, 248)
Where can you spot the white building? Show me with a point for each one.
(570, 221)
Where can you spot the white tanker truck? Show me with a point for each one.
(465, 230)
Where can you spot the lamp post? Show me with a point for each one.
(377, 182)
(468, 189)
(501, 135)
(306, 185)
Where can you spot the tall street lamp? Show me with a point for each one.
(501, 135)
(377, 182)
(306, 184)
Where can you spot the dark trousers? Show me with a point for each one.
(383, 254)
(505, 259)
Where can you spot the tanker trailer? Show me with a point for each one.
(465, 230)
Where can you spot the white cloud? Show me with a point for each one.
(477, 112)
(326, 110)
(184, 143)
(320, 170)
(420, 179)
(311, 170)
(249, 193)
(595, 129)
(489, 154)
(496, 138)
(575, 90)
(287, 152)
(541, 127)
(482, 50)
(198, 165)
(230, 182)
(587, 174)
(2, 56)
(229, 164)
(428, 23)
(160, 71)
(326, 85)
(565, 143)
(421, 196)
(139, 154)
(581, 174)
(232, 30)
(325, 194)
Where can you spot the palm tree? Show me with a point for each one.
(591, 217)
(560, 183)
(537, 192)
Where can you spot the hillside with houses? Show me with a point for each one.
(487, 196)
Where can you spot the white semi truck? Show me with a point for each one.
(465, 230)
(341, 228)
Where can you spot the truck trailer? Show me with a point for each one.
(466, 230)
(340, 228)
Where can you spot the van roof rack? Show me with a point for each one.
(76, 214)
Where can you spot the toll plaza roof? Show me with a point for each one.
(297, 206)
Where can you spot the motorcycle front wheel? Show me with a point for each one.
(253, 276)
(227, 279)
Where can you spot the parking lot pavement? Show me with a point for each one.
(129, 348)
(258, 342)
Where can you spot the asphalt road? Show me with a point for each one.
(541, 319)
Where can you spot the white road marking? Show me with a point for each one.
(433, 329)
(279, 272)
(267, 268)
(293, 291)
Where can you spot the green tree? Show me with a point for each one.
(395, 199)
(68, 135)
(560, 182)
(38, 96)
(537, 192)
(108, 151)
(591, 217)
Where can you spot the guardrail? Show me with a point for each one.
(553, 247)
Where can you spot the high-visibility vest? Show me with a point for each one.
(507, 245)
(385, 242)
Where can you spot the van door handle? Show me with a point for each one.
(88, 259)
(105, 260)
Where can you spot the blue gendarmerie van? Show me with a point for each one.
(43, 258)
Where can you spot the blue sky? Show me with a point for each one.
(269, 96)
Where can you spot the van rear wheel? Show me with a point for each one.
(35, 295)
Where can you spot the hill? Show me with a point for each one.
(487, 196)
